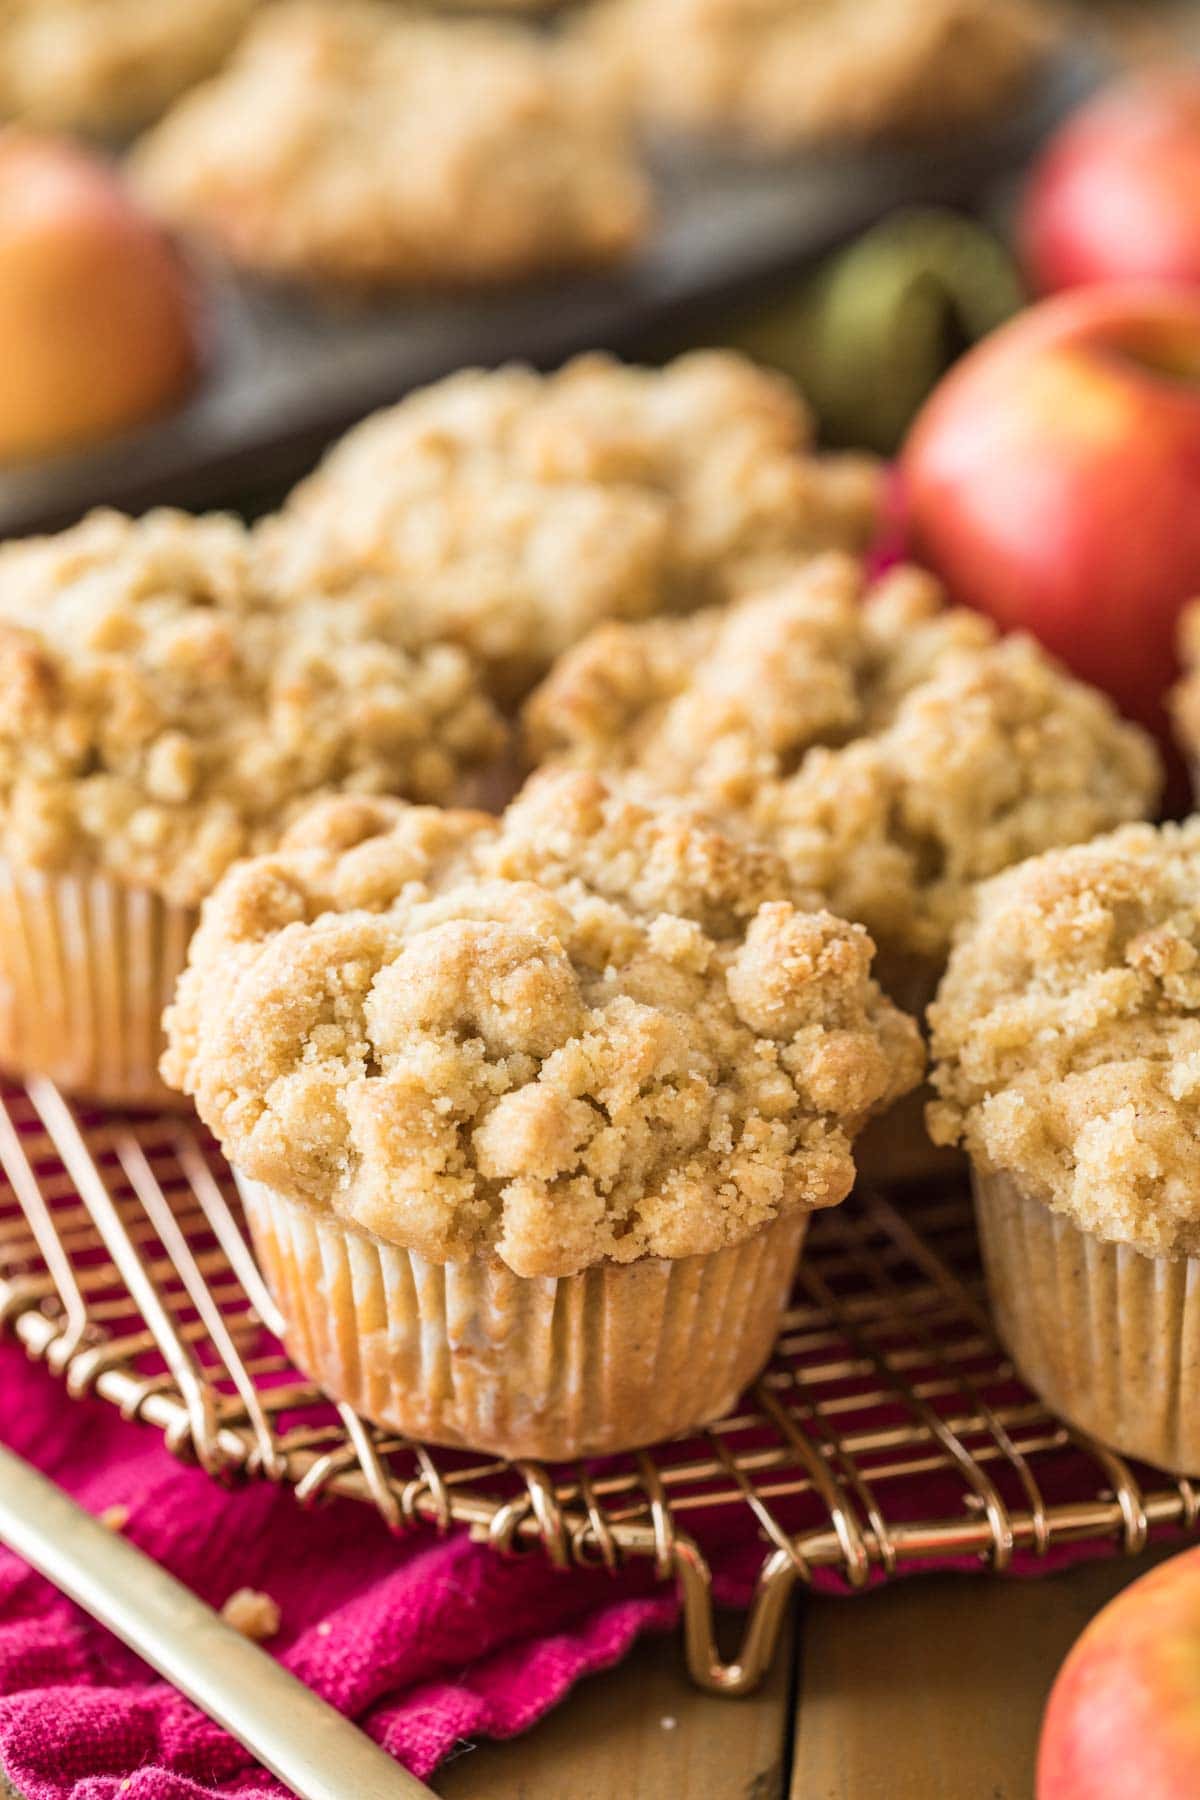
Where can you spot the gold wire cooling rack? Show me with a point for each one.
(888, 1432)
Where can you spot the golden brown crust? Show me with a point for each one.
(108, 65)
(894, 751)
(1067, 1035)
(473, 1036)
(777, 75)
(161, 713)
(354, 141)
(513, 511)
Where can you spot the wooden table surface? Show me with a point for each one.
(931, 1689)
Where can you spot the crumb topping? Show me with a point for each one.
(590, 1030)
(255, 1615)
(355, 141)
(163, 714)
(1067, 1035)
(514, 511)
(108, 65)
(779, 75)
(894, 750)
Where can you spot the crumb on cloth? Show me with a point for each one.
(252, 1613)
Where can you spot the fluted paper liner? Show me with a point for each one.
(545, 1366)
(1108, 1337)
(86, 967)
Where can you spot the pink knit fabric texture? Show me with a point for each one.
(427, 1641)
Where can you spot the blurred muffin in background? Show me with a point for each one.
(512, 511)
(778, 74)
(358, 143)
(162, 715)
(99, 322)
(109, 66)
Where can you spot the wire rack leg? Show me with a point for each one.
(764, 1621)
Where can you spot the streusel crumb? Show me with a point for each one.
(892, 749)
(108, 65)
(778, 75)
(161, 713)
(1067, 1035)
(481, 1037)
(252, 1613)
(355, 141)
(513, 511)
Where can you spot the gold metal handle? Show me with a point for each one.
(319, 1754)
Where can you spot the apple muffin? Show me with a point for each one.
(161, 714)
(530, 1115)
(894, 749)
(1067, 1042)
(511, 511)
(356, 142)
(775, 75)
(108, 66)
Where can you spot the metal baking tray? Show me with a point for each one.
(289, 371)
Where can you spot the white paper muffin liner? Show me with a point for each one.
(86, 967)
(1109, 1338)
(549, 1367)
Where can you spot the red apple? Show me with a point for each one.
(97, 316)
(1123, 1719)
(1053, 481)
(1116, 194)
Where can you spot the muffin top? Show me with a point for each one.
(893, 749)
(354, 141)
(108, 65)
(514, 510)
(591, 1030)
(162, 714)
(778, 74)
(1067, 1035)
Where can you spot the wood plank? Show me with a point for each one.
(641, 1732)
(933, 1689)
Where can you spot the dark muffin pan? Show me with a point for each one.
(287, 372)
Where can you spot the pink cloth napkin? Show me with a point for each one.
(425, 1640)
